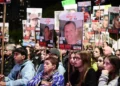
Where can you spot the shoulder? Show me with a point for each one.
(91, 72)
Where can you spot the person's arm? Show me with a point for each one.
(58, 80)
(27, 74)
(103, 80)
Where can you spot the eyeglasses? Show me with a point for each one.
(76, 58)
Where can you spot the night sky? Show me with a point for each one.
(44, 3)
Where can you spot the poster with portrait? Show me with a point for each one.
(70, 7)
(85, 7)
(56, 16)
(100, 11)
(114, 23)
(46, 32)
(33, 17)
(6, 32)
(71, 30)
(28, 34)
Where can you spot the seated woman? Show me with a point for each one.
(110, 74)
(86, 76)
(49, 76)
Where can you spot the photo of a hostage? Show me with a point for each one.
(71, 33)
(99, 14)
(33, 20)
(116, 22)
(47, 34)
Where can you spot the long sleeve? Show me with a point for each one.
(35, 80)
(90, 79)
(26, 74)
(58, 80)
(103, 80)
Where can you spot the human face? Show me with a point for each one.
(43, 55)
(72, 60)
(70, 33)
(78, 61)
(105, 22)
(47, 33)
(100, 63)
(96, 53)
(98, 12)
(117, 53)
(117, 23)
(33, 22)
(48, 66)
(107, 65)
(18, 57)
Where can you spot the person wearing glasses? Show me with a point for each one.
(86, 75)
(21, 73)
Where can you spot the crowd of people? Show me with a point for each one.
(40, 66)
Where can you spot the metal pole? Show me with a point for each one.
(4, 18)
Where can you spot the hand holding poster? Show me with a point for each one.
(46, 32)
(71, 30)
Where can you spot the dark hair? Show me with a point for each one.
(54, 60)
(115, 61)
(22, 50)
(100, 50)
(47, 27)
(69, 22)
(86, 60)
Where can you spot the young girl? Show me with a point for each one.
(110, 74)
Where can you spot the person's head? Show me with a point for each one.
(112, 64)
(47, 33)
(9, 49)
(100, 62)
(71, 58)
(51, 64)
(37, 46)
(82, 60)
(98, 13)
(43, 55)
(70, 32)
(53, 51)
(105, 22)
(107, 51)
(117, 53)
(116, 22)
(83, 9)
(98, 52)
(33, 20)
(20, 54)
(105, 44)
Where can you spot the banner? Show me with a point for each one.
(70, 7)
(85, 7)
(6, 32)
(46, 32)
(71, 30)
(28, 34)
(68, 2)
(114, 22)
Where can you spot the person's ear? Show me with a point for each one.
(23, 57)
(54, 67)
